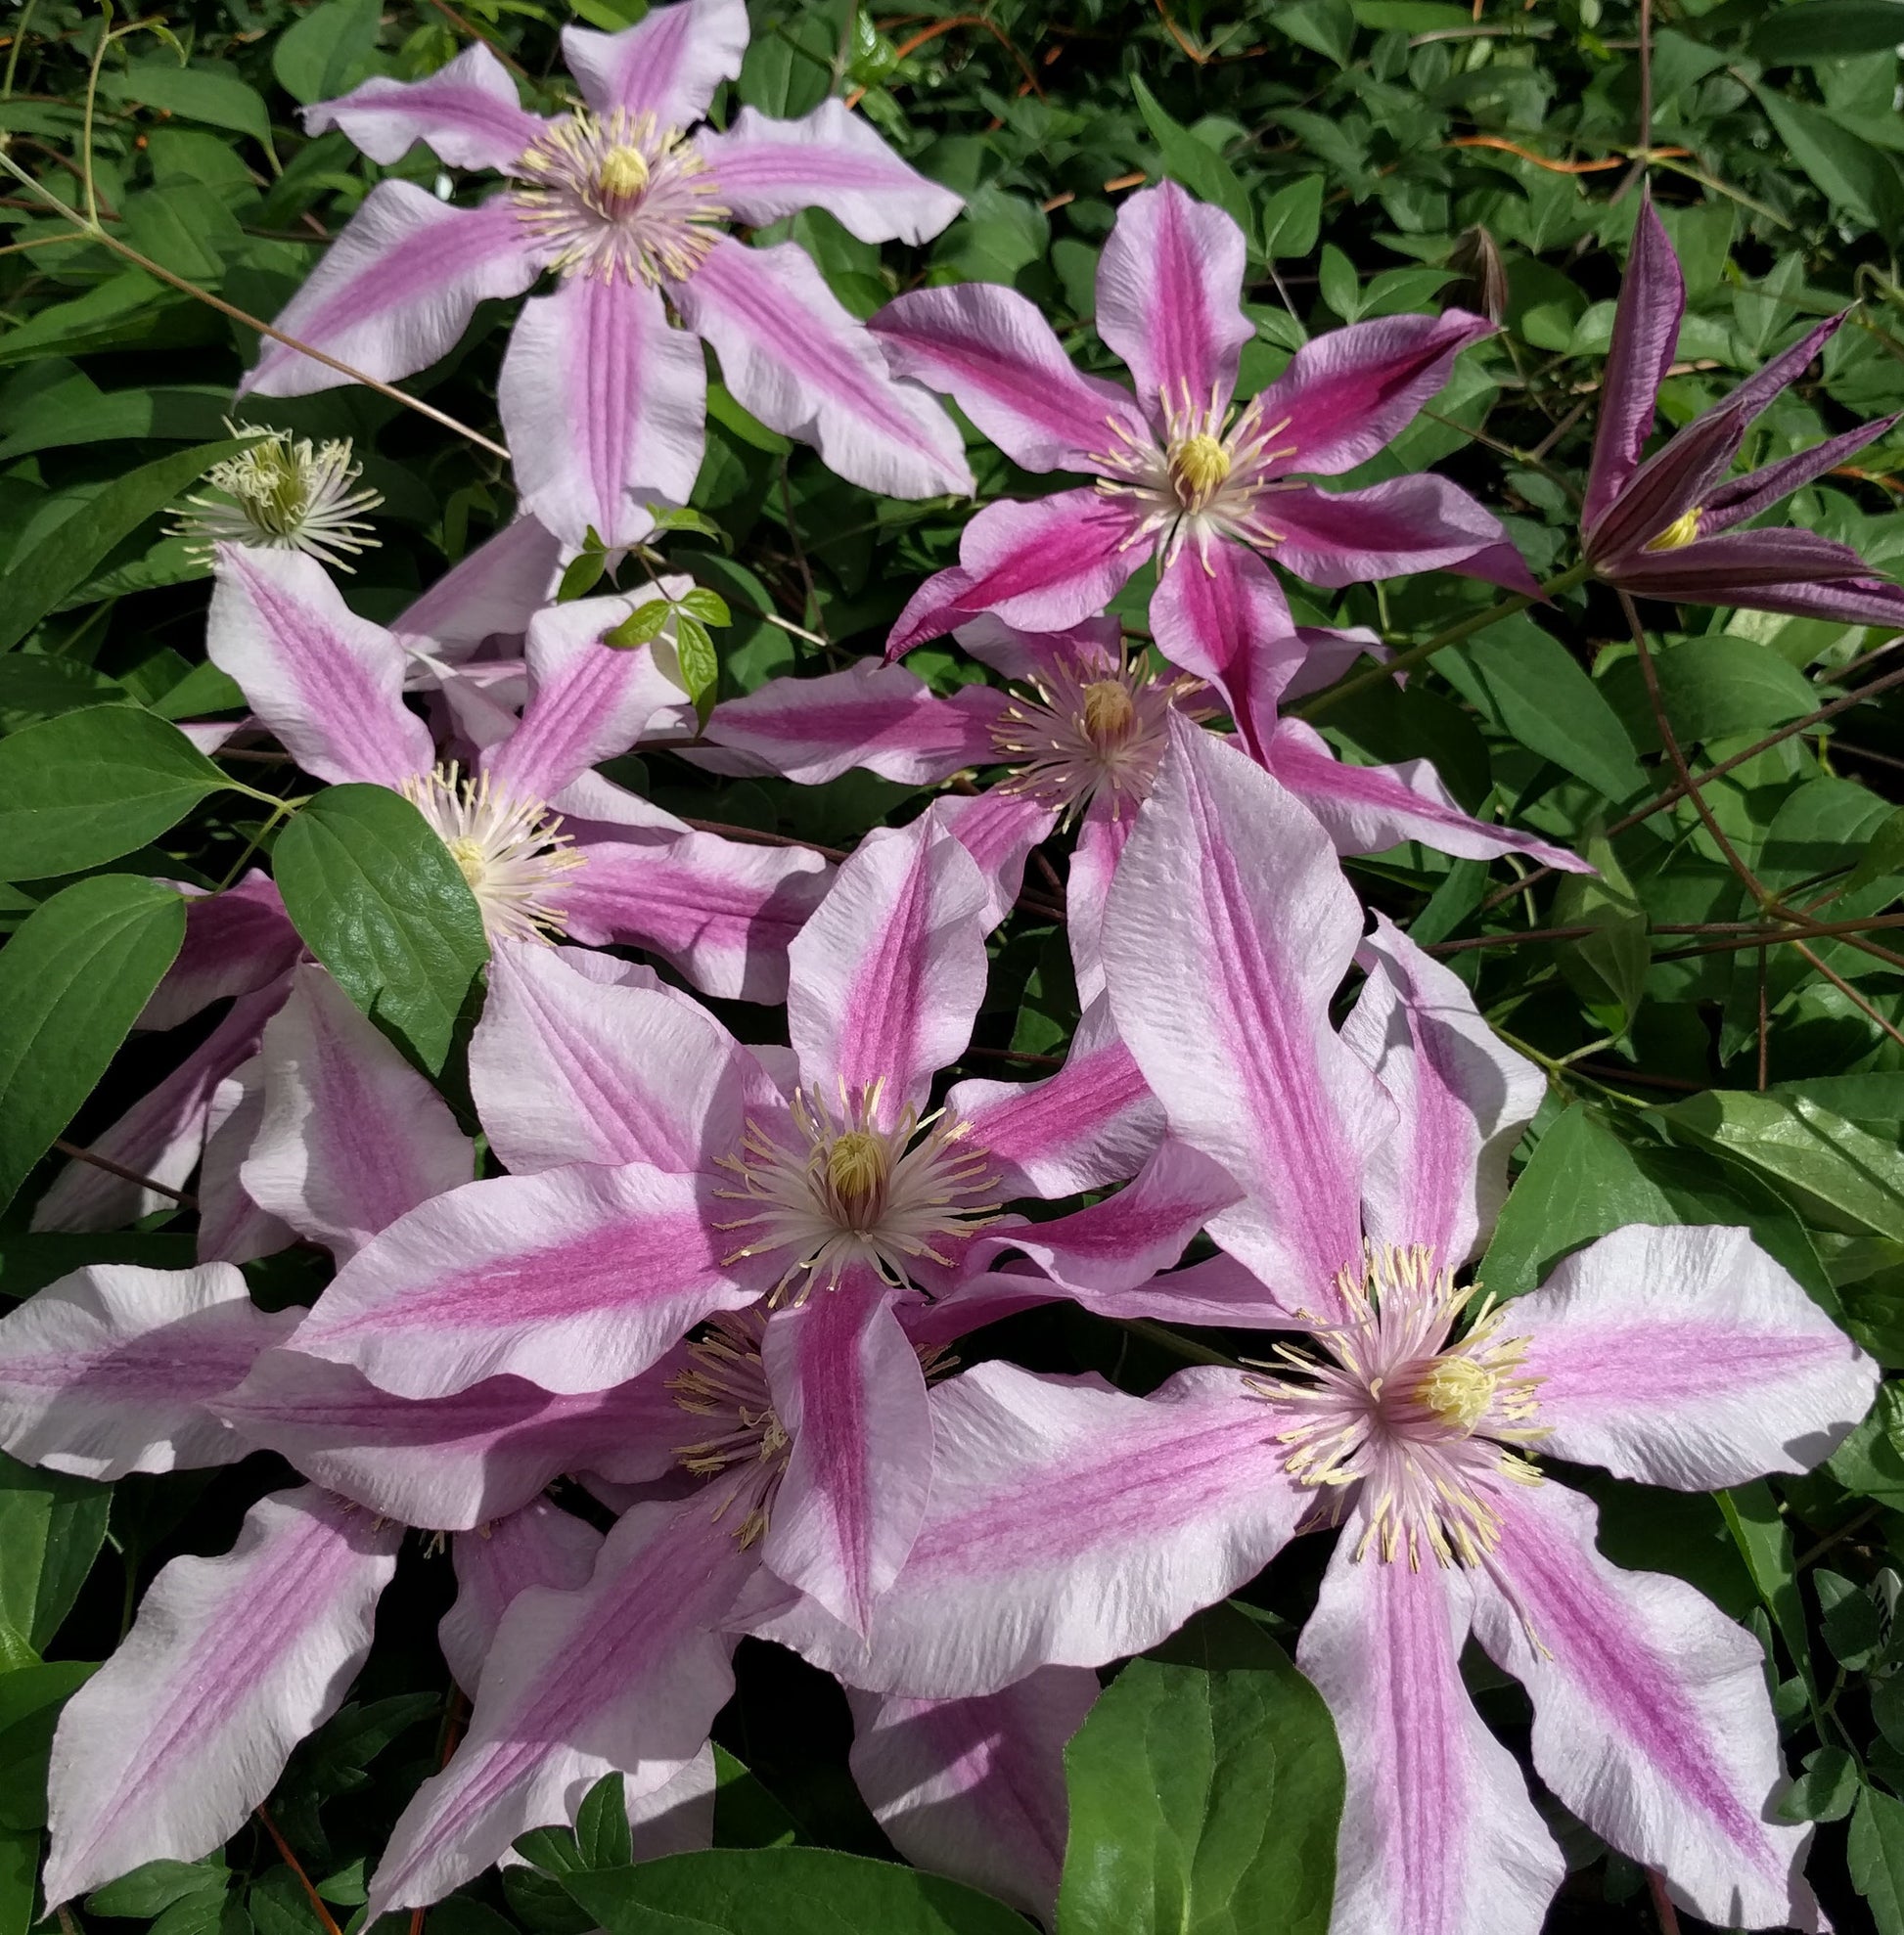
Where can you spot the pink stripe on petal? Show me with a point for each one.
(998, 828)
(495, 588)
(1462, 1098)
(724, 912)
(1651, 1720)
(992, 351)
(888, 975)
(109, 1370)
(1228, 929)
(575, 1279)
(165, 1751)
(1049, 563)
(1366, 809)
(353, 1137)
(565, 1069)
(1223, 617)
(830, 158)
(976, 1788)
(1170, 299)
(1027, 656)
(1101, 841)
(1688, 1357)
(626, 1673)
(931, 611)
(328, 683)
(468, 113)
(1645, 331)
(849, 1391)
(603, 403)
(791, 354)
(1069, 1526)
(232, 1228)
(235, 942)
(540, 1545)
(1438, 1836)
(1351, 392)
(1092, 1123)
(877, 716)
(668, 64)
(1345, 537)
(395, 290)
(588, 700)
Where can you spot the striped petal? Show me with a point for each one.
(668, 64)
(539, 1545)
(468, 113)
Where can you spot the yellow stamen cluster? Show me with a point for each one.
(1679, 533)
(1197, 466)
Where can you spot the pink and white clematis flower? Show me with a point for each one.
(663, 1171)
(546, 844)
(1082, 747)
(603, 398)
(1072, 1524)
(1175, 477)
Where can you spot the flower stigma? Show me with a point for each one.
(281, 495)
(512, 852)
(619, 196)
(857, 1193)
(1426, 1423)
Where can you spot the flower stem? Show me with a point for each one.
(1419, 655)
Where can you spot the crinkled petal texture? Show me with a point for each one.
(603, 403)
(627, 1674)
(1345, 537)
(395, 290)
(576, 1279)
(1438, 1836)
(1645, 331)
(1688, 1357)
(849, 1391)
(328, 683)
(976, 1788)
(1069, 1526)
(1462, 1098)
(353, 1137)
(165, 1751)
(108, 1370)
(1352, 391)
(830, 158)
(1223, 617)
(888, 975)
(1040, 566)
(1229, 928)
(804, 367)
(1651, 1720)
(668, 64)
(992, 351)
(539, 1545)
(468, 113)
(1170, 300)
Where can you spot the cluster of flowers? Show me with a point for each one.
(718, 1284)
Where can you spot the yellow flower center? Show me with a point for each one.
(1109, 710)
(1680, 532)
(472, 861)
(856, 1167)
(1458, 1391)
(1197, 466)
(623, 171)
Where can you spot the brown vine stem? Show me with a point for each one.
(1850, 993)
(318, 1905)
(1740, 934)
(95, 231)
(112, 1168)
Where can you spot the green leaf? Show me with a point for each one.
(745, 1814)
(77, 548)
(1716, 687)
(1818, 30)
(642, 626)
(1883, 856)
(83, 789)
(1205, 1792)
(1849, 173)
(1341, 288)
(1328, 26)
(1618, 953)
(30, 1699)
(698, 664)
(1764, 1541)
(328, 50)
(1185, 159)
(51, 1529)
(152, 1889)
(35, 688)
(73, 980)
(1876, 1853)
(784, 1891)
(20, 1861)
(219, 100)
(1291, 218)
(1837, 1173)
(378, 900)
(1826, 1789)
(602, 1835)
(710, 607)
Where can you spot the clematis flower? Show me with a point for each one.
(1072, 1524)
(232, 1660)
(662, 1172)
(1175, 477)
(282, 494)
(1667, 527)
(627, 1671)
(1081, 747)
(330, 685)
(603, 398)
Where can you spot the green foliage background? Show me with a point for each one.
(1707, 1062)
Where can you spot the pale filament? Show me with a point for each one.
(512, 852)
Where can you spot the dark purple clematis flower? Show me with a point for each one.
(1665, 528)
